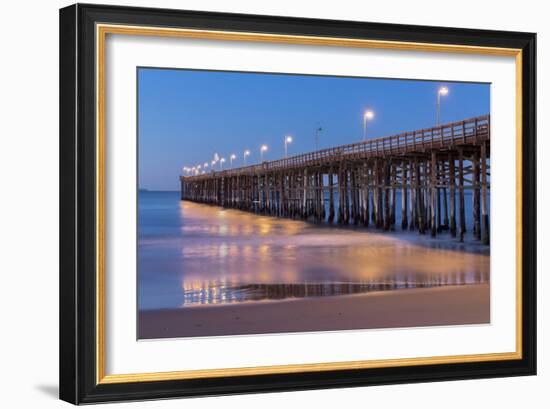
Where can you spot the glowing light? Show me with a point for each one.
(288, 139)
(368, 115)
(442, 91)
(263, 148)
(245, 154)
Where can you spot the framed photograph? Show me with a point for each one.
(257, 203)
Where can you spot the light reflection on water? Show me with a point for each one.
(192, 254)
(220, 292)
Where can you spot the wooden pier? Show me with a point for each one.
(430, 168)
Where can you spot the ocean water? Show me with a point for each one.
(194, 254)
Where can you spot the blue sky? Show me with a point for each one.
(185, 116)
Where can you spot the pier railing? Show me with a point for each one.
(470, 131)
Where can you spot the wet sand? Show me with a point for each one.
(447, 305)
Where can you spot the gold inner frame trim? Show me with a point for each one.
(101, 33)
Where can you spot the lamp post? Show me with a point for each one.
(263, 148)
(231, 158)
(245, 154)
(213, 163)
(442, 91)
(222, 160)
(367, 116)
(288, 139)
(317, 131)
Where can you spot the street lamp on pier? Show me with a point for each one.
(222, 160)
(442, 91)
(317, 132)
(231, 158)
(367, 116)
(288, 139)
(263, 149)
(245, 154)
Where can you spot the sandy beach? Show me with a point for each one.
(449, 305)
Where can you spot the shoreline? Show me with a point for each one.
(435, 306)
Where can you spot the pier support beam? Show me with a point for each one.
(366, 198)
(393, 187)
(340, 195)
(412, 197)
(330, 195)
(433, 188)
(452, 194)
(476, 196)
(345, 192)
(461, 211)
(375, 193)
(438, 195)
(484, 195)
(386, 189)
(305, 195)
(404, 220)
(353, 195)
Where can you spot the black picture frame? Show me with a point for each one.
(78, 360)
